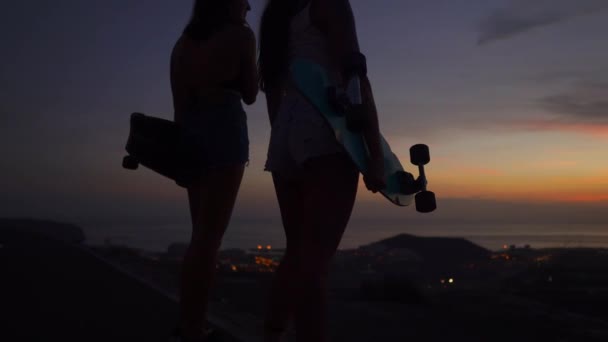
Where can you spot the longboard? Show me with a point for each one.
(313, 82)
(158, 145)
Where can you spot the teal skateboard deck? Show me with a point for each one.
(313, 82)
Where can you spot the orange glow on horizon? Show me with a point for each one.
(520, 188)
(586, 198)
(530, 167)
(590, 129)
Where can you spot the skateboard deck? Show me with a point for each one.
(158, 145)
(313, 82)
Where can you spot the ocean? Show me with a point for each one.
(249, 234)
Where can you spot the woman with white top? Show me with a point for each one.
(314, 179)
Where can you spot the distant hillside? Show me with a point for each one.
(434, 249)
(55, 230)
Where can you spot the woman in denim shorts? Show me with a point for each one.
(213, 68)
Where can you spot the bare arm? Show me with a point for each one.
(249, 69)
(337, 20)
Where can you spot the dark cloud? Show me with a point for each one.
(521, 16)
(586, 102)
(554, 76)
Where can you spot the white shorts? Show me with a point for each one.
(299, 133)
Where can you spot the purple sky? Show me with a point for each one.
(510, 95)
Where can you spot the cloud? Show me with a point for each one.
(580, 109)
(566, 76)
(574, 107)
(586, 103)
(521, 16)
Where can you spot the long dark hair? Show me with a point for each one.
(208, 16)
(274, 41)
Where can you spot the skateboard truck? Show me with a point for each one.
(425, 200)
(130, 162)
(349, 103)
(338, 100)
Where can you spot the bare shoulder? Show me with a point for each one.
(241, 34)
(333, 7)
(331, 13)
(178, 50)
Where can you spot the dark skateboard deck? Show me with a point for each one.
(159, 145)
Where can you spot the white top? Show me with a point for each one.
(306, 41)
(299, 132)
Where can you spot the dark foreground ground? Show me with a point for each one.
(57, 291)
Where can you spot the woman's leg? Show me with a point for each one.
(281, 304)
(315, 212)
(211, 199)
(328, 196)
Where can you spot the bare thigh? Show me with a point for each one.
(212, 199)
(316, 207)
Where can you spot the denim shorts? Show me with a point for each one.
(216, 134)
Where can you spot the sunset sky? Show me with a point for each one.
(511, 96)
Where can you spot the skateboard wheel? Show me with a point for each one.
(337, 101)
(332, 97)
(419, 154)
(130, 163)
(356, 118)
(425, 202)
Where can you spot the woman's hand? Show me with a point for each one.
(374, 177)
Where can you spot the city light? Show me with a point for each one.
(265, 262)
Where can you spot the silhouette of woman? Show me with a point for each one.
(213, 68)
(315, 182)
